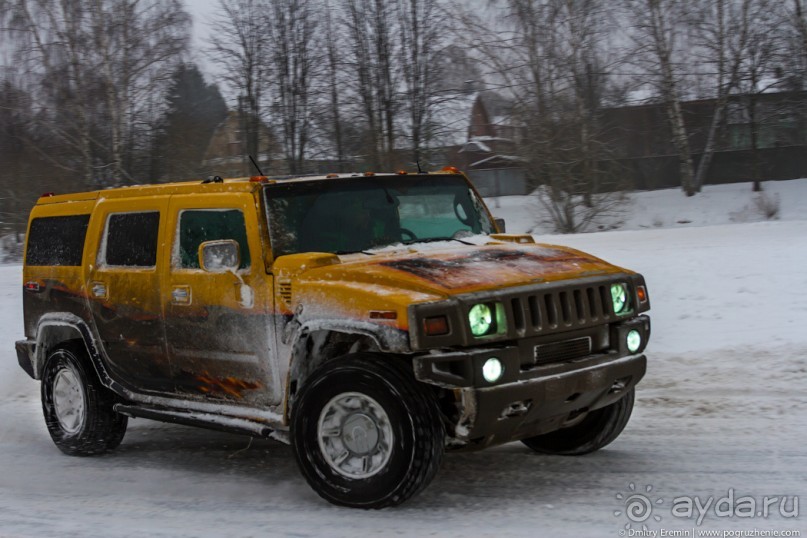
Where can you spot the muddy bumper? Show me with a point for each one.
(526, 401)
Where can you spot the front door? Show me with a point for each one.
(123, 286)
(217, 323)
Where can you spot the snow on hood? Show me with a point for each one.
(447, 268)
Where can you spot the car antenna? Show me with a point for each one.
(256, 165)
(417, 162)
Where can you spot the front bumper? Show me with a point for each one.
(529, 401)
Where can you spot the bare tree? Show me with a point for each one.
(372, 57)
(420, 33)
(294, 63)
(138, 43)
(798, 19)
(758, 70)
(658, 24)
(548, 56)
(57, 71)
(334, 83)
(91, 64)
(723, 28)
(240, 49)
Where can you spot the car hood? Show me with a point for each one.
(435, 271)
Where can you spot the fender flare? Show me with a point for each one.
(57, 327)
(386, 339)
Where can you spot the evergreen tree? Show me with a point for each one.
(195, 109)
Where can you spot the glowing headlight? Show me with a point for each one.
(619, 297)
(480, 317)
(492, 370)
(633, 340)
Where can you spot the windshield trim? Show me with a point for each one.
(482, 217)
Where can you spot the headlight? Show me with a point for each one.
(492, 370)
(633, 340)
(619, 297)
(481, 319)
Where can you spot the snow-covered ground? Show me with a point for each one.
(723, 408)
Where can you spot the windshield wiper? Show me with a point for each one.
(341, 252)
(436, 239)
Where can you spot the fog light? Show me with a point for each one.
(633, 340)
(492, 370)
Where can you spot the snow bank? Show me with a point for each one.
(722, 406)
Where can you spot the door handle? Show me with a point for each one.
(99, 290)
(181, 295)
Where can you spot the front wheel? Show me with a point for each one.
(365, 433)
(597, 429)
(77, 407)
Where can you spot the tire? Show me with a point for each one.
(595, 431)
(365, 433)
(77, 407)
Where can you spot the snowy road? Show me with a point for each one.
(723, 407)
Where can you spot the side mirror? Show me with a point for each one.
(219, 256)
(500, 225)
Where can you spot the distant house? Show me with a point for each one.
(226, 154)
(640, 144)
(488, 154)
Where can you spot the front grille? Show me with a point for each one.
(562, 351)
(532, 311)
(537, 313)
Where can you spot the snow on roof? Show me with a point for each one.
(476, 144)
(512, 158)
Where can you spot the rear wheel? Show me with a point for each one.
(596, 430)
(365, 433)
(77, 407)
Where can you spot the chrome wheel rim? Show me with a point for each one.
(68, 400)
(355, 435)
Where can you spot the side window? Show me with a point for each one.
(56, 240)
(131, 239)
(199, 225)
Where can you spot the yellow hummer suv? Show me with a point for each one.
(372, 321)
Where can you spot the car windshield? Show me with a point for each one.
(357, 214)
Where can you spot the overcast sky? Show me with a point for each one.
(201, 11)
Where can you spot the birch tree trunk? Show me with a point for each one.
(662, 44)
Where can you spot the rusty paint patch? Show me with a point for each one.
(228, 385)
(463, 271)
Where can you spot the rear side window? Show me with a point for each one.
(56, 240)
(131, 239)
(197, 226)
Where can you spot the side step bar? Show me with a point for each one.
(195, 418)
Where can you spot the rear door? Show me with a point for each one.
(123, 286)
(217, 323)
